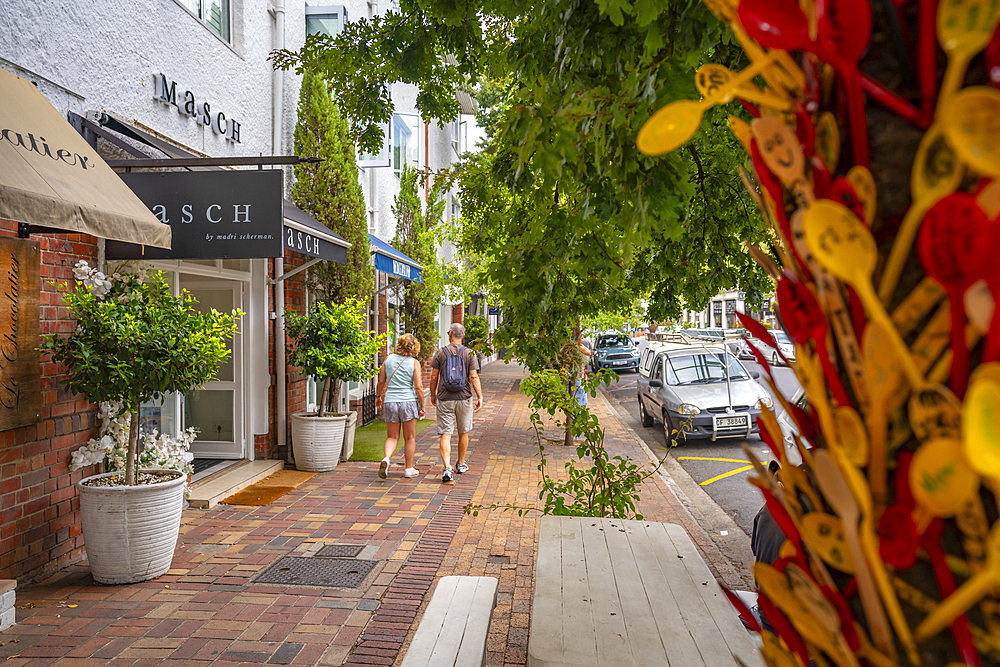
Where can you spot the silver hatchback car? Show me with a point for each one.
(688, 388)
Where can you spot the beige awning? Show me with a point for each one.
(51, 177)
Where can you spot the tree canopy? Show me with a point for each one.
(566, 219)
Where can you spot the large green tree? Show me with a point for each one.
(330, 192)
(565, 216)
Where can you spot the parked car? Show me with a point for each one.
(785, 344)
(789, 429)
(686, 388)
(615, 351)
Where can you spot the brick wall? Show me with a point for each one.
(458, 313)
(39, 507)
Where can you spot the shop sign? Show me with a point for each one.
(212, 214)
(188, 104)
(20, 383)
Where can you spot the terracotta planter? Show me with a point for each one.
(317, 441)
(130, 532)
(352, 425)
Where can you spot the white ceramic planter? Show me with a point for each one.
(130, 532)
(317, 441)
(352, 425)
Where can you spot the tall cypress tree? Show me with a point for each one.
(415, 236)
(330, 192)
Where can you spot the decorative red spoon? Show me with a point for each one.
(783, 25)
(804, 321)
(950, 250)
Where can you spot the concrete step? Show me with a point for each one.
(207, 492)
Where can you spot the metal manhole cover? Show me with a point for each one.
(292, 570)
(340, 551)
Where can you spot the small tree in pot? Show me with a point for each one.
(328, 344)
(134, 342)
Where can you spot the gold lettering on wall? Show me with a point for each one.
(20, 382)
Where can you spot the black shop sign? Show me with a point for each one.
(212, 214)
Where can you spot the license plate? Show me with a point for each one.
(620, 363)
(730, 422)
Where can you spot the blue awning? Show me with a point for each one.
(391, 261)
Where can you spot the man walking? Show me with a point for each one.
(454, 377)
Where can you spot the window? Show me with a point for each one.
(405, 141)
(382, 158)
(327, 20)
(214, 14)
(657, 372)
(703, 368)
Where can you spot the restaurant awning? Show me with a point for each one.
(391, 261)
(50, 177)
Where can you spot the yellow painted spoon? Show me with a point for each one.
(674, 124)
(936, 173)
(844, 245)
(964, 28)
(710, 78)
(971, 122)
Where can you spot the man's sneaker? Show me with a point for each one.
(383, 468)
(411, 472)
(461, 467)
(448, 476)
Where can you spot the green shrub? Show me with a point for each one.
(135, 342)
(328, 343)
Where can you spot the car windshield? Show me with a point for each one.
(703, 368)
(782, 337)
(613, 341)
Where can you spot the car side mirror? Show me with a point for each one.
(755, 374)
(656, 383)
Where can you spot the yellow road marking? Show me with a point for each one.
(726, 474)
(706, 458)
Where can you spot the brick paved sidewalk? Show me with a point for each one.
(208, 610)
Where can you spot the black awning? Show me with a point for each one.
(304, 234)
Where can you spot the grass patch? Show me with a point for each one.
(369, 441)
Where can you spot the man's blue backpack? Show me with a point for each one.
(453, 373)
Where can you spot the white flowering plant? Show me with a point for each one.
(156, 450)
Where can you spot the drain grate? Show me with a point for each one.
(339, 572)
(498, 559)
(340, 551)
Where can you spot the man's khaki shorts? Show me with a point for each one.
(451, 412)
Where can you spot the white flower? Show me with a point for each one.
(156, 450)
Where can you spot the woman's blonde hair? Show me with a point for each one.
(408, 346)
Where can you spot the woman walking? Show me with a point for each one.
(400, 390)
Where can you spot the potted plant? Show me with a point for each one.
(134, 342)
(328, 344)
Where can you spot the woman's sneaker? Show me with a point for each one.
(383, 468)
(461, 467)
(411, 472)
(448, 476)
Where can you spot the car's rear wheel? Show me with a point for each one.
(647, 421)
(774, 358)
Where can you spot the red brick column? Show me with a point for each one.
(458, 313)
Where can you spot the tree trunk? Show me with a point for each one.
(335, 395)
(568, 438)
(323, 397)
(133, 447)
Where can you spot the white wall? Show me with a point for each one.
(107, 52)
